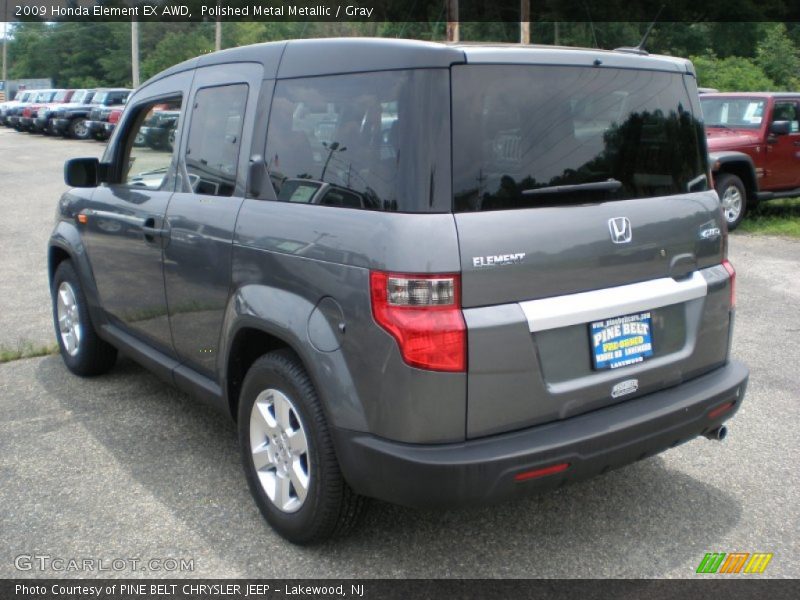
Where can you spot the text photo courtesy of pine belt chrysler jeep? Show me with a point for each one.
(432, 274)
(754, 145)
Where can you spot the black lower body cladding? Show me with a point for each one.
(483, 471)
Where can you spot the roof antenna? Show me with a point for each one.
(640, 48)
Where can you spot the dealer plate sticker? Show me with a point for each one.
(621, 341)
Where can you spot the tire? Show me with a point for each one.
(82, 350)
(170, 142)
(77, 129)
(733, 198)
(277, 398)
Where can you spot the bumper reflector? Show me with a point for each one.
(721, 409)
(551, 470)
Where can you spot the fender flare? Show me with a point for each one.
(258, 307)
(67, 239)
(717, 160)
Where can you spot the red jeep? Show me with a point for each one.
(754, 148)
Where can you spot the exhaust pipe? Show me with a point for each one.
(718, 434)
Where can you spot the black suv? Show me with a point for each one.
(74, 120)
(430, 274)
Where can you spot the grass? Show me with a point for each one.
(25, 350)
(775, 217)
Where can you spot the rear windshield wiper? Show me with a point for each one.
(609, 185)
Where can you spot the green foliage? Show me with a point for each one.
(741, 56)
(176, 47)
(731, 74)
(778, 57)
(775, 217)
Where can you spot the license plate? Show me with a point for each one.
(621, 341)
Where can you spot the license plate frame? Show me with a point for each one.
(621, 341)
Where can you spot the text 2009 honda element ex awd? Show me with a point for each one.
(430, 274)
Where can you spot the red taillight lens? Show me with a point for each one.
(732, 272)
(423, 313)
(114, 116)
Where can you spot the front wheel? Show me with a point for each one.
(82, 350)
(288, 455)
(78, 129)
(733, 197)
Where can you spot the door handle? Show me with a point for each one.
(796, 143)
(153, 231)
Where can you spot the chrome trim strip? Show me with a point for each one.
(573, 309)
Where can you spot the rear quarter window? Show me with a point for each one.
(371, 141)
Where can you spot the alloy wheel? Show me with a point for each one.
(279, 447)
(69, 321)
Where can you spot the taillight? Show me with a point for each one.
(423, 314)
(114, 116)
(732, 272)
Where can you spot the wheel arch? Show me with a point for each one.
(739, 164)
(260, 319)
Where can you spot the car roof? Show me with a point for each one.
(326, 56)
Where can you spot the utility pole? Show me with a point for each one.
(135, 52)
(218, 30)
(5, 49)
(524, 21)
(453, 34)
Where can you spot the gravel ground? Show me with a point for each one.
(122, 466)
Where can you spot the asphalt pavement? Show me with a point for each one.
(125, 468)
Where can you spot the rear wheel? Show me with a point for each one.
(733, 197)
(82, 350)
(288, 455)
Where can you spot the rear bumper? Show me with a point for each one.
(482, 471)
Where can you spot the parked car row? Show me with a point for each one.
(73, 113)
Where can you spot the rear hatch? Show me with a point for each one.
(590, 242)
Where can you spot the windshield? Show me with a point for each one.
(80, 96)
(628, 133)
(733, 112)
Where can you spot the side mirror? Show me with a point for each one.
(780, 127)
(84, 172)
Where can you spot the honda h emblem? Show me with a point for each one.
(620, 228)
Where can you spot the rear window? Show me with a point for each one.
(370, 141)
(544, 136)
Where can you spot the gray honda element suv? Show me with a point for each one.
(430, 274)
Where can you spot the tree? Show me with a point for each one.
(778, 57)
(177, 47)
(731, 74)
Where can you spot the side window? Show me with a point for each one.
(372, 141)
(212, 153)
(149, 144)
(787, 111)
